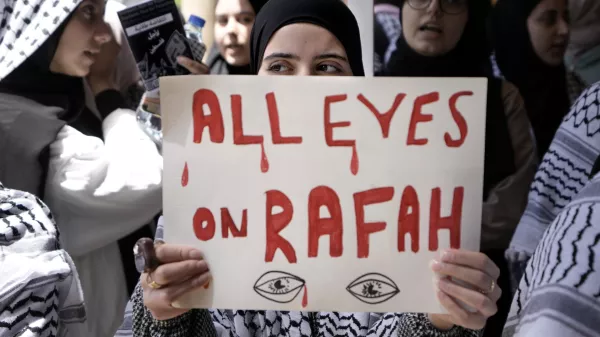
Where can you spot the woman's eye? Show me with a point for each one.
(278, 68)
(549, 19)
(328, 68)
(222, 21)
(246, 20)
(89, 12)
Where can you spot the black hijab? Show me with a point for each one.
(215, 61)
(543, 87)
(470, 58)
(34, 80)
(332, 15)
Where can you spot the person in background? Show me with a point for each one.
(127, 81)
(559, 294)
(288, 38)
(448, 39)
(126, 75)
(386, 32)
(564, 171)
(583, 53)
(530, 38)
(40, 294)
(230, 53)
(101, 176)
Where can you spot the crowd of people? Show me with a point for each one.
(81, 180)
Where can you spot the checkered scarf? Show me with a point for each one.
(25, 25)
(40, 294)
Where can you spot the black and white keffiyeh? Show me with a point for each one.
(25, 25)
(40, 294)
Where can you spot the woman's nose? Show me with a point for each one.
(103, 33)
(232, 26)
(563, 28)
(435, 7)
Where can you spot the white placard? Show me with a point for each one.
(322, 193)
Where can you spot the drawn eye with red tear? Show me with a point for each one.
(373, 288)
(279, 286)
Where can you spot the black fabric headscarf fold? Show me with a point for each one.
(215, 61)
(543, 87)
(25, 142)
(470, 58)
(34, 80)
(332, 15)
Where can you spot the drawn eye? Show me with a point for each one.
(373, 288)
(278, 286)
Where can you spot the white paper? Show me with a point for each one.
(224, 175)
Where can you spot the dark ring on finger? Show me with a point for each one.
(145, 256)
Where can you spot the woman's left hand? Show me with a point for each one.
(480, 291)
(194, 67)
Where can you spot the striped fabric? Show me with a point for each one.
(563, 172)
(559, 295)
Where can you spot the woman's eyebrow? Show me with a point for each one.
(330, 56)
(224, 15)
(549, 11)
(281, 56)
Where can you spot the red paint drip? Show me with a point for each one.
(264, 162)
(354, 161)
(305, 297)
(185, 176)
(207, 285)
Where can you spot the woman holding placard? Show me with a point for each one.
(448, 39)
(309, 37)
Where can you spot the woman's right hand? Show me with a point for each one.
(181, 269)
(194, 67)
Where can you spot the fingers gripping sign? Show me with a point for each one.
(169, 272)
(467, 288)
(194, 67)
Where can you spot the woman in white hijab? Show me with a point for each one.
(101, 175)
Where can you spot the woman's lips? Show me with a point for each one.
(234, 49)
(91, 56)
(558, 48)
(430, 31)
